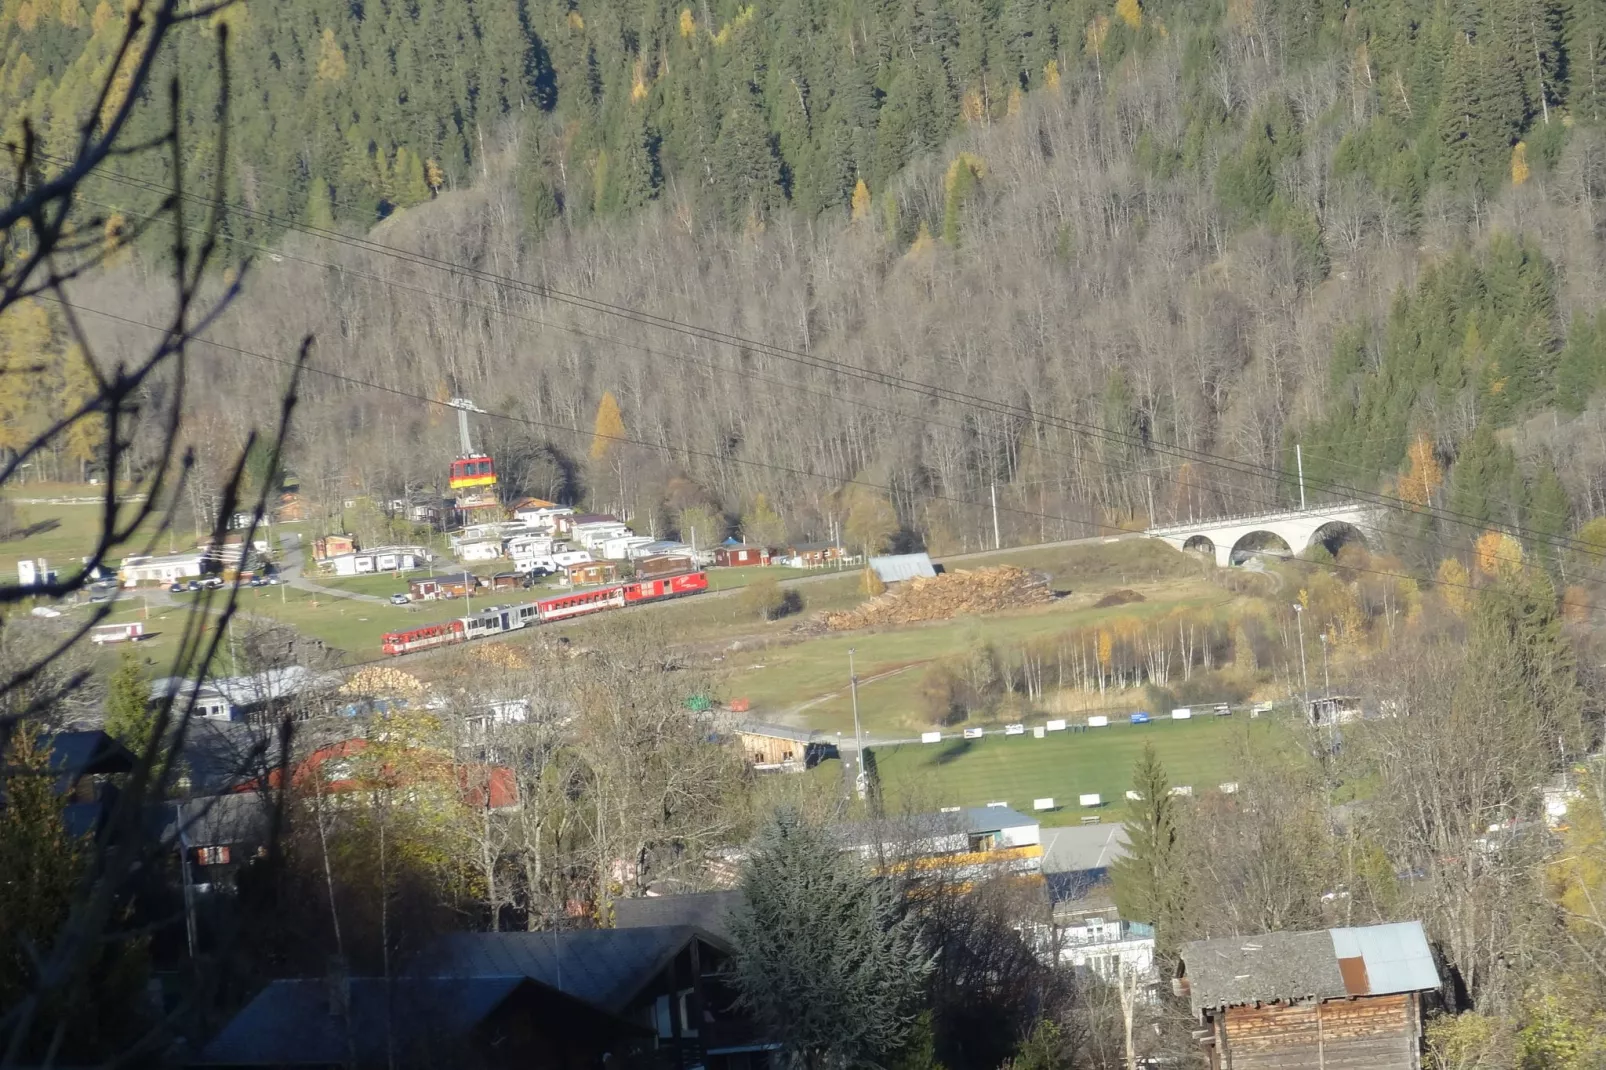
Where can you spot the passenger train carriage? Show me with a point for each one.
(498, 619)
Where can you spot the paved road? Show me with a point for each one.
(291, 559)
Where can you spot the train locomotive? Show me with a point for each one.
(499, 619)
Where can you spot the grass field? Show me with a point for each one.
(1202, 753)
(64, 534)
(810, 679)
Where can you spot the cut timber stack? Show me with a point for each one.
(381, 681)
(952, 594)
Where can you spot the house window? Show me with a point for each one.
(212, 856)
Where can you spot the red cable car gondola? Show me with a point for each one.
(475, 470)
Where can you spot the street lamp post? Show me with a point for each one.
(859, 781)
(1327, 683)
(1304, 678)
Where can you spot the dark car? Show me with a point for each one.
(176, 588)
(257, 581)
(193, 585)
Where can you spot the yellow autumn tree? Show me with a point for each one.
(638, 81)
(1016, 97)
(26, 342)
(861, 201)
(1578, 877)
(434, 177)
(86, 437)
(576, 21)
(1051, 74)
(1098, 30)
(609, 427)
(70, 14)
(688, 25)
(1498, 554)
(1130, 12)
(1425, 474)
(873, 584)
(871, 521)
(1519, 163)
(1106, 648)
(1455, 585)
(331, 60)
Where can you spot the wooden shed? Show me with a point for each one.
(774, 747)
(732, 555)
(1321, 1000)
(454, 586)
(589, 573)
(664, 565)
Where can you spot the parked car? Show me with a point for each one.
(193, 585)
(399, 599)
(212, 582)
(257, 581)
(1223, 710)
(1141, 718)
(176, 588)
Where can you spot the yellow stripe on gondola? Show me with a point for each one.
(458, 482)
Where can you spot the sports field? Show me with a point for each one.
(1203, 753)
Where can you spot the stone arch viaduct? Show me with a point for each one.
(1232, 540)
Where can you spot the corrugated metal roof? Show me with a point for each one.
(994, 819)
(896, 568)
(1397, 956)
(1082, 848)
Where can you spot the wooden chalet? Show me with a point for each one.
(1321, 1000)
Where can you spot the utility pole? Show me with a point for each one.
(860, 782)
(1304, 679)
(1299, 462)
(997, 542)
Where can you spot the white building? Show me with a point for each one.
(592, 536)
(543, 517)
(379, 559)
(34, 573)
(622, 547)
(169, 569)
(482, 550)
(1089, 933)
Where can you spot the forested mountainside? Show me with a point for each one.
(1368, 229)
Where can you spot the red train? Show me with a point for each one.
(498, 619)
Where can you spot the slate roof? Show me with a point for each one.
(244, 818)
(79, 754)
(895, 568)
(709, 911)
(289, 1022)
(1322, 964)
(602, 967)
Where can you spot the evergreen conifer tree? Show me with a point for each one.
(128, 710)
(1148, 879)
(826, 958)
